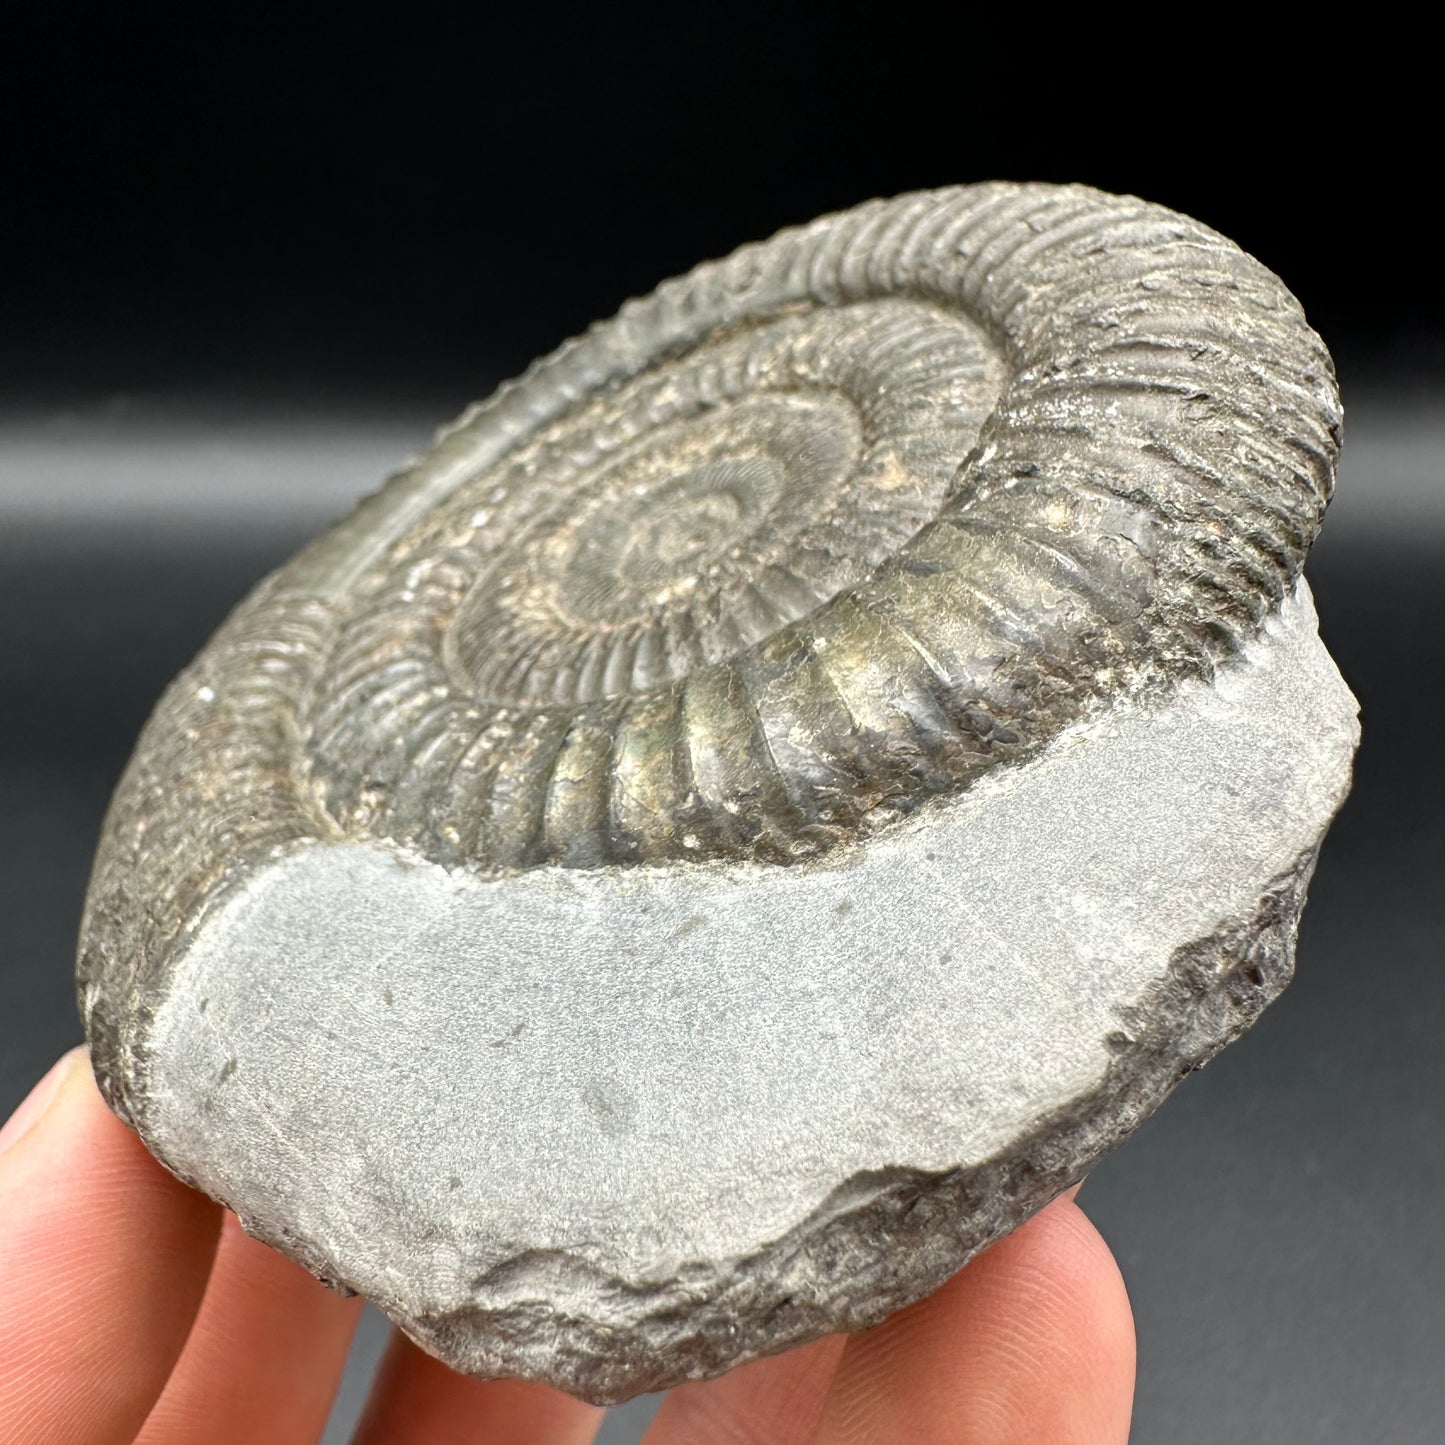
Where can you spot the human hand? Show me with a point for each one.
(134, 1309)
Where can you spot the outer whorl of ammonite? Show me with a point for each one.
(787, 782)
(820, 531)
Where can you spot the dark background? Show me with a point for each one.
(246, 265)
(306, 200)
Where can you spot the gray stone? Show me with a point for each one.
(761, 806)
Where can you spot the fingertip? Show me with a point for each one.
(417, 1400)
(263, 1358)
(33, 1108)
(1056, 1283)
(104, 1258)
(777, 1400)
(1034, 1340)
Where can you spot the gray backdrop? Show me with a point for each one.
(1276, 1222)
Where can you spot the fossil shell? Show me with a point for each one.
(775, 565)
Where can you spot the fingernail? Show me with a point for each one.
(39, 1099)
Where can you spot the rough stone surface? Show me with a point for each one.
(761, 806)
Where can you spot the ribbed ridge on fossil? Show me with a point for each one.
(636, 557)
(825, 529)
(173, 830)
(804, 538)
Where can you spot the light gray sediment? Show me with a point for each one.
(737, 1081)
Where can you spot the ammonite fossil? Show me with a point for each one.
(762, 805)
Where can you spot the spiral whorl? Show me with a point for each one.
(824, 529)
(805, 538)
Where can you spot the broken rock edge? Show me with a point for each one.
(882, 1240)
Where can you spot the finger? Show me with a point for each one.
(1033, 1341)
(263, 1358)
(103, 1262)
(777, 1401)
(418, 1401)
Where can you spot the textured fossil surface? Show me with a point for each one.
(762, 805)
